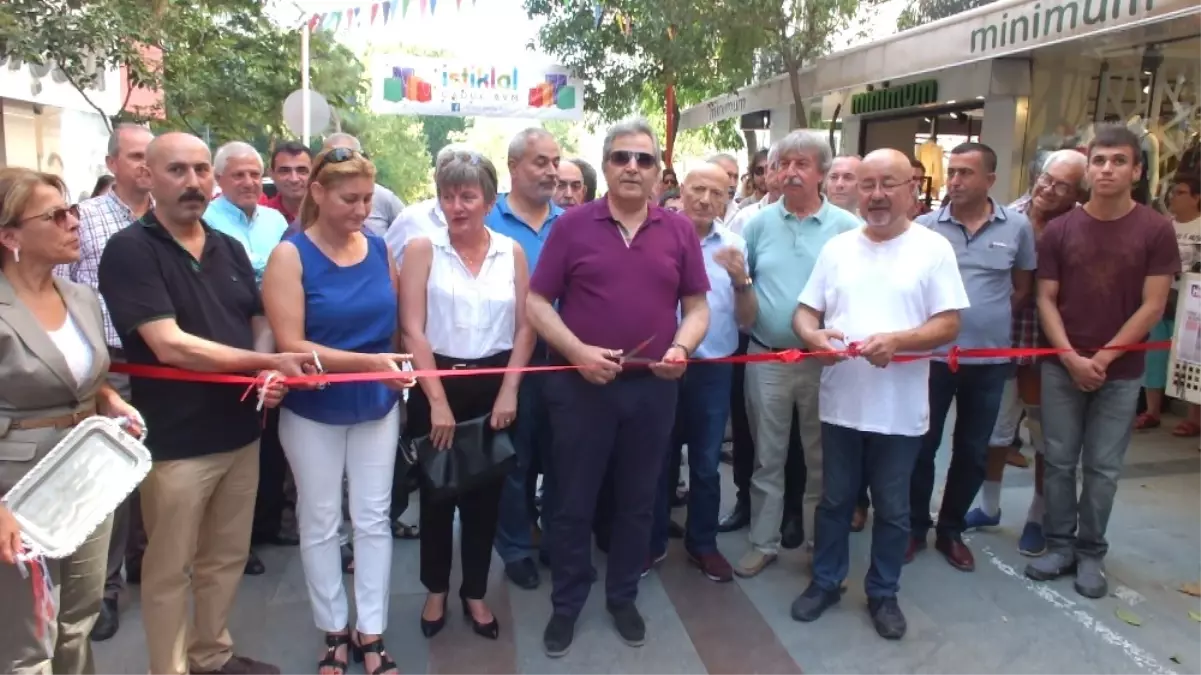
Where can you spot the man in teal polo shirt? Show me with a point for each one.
(526, 214)
(239, 171)
(783, 241)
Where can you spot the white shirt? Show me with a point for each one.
(1188, 237)
(419, 220)
(75, 349)
(864, 288)
(744, 216)
(470, 317)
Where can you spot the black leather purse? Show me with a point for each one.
(478, 455)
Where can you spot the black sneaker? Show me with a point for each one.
(628, 622)
(887, 616)
(107, 622)
(556, 639)
(813, 602)
(523, 573)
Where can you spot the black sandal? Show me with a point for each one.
(332, 642)
(385, 661)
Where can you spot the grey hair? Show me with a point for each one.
(343, 139)
(521, 142)
(723, 157)
(447, 153)
(802, 142)
(114, 139)
(234, 150)
(631, 127)
(467, 169)
(1072, 157)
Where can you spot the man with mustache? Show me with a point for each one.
(527, 215)
(994, 246)
(184, 295)
(1056, 188)
(783, 241)
(888, 288)
(1096, 291)
(570, 190)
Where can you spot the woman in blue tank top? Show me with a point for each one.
(331, 289)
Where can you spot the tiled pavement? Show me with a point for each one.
(992, 620)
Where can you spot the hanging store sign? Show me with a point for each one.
(409, 85)
(895, 98)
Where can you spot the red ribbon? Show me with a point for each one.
(954, 355)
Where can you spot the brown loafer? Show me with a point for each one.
(957, 553)
(241, 665)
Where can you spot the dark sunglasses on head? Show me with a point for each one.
(335, 156)
(645, 160)
(59, 215)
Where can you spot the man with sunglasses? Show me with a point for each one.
(99, 219)
(756, 181)
(385, 205)
(619, 268)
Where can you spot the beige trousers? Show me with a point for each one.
(198, 514)
(64, 647)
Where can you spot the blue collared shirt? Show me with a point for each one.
(258, 233)
(502, 219)
(781, 252)
(987, 260)
(722, 337)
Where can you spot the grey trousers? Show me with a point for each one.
(126, 522)
(1091, 429)
(64, 648)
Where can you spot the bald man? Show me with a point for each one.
(889, 287)
(182, 294)
(704, 401)
(385, 205)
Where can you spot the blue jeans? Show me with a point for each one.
(513, 531)
(977, 390)
(701, 413)
(888, 462)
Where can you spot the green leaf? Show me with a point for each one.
(1128, 616)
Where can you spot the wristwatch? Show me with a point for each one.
(687, 351)
(745, 286)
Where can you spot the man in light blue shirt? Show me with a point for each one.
(239, 171)
(783, 241)
(704, 401)
(994, 247)
(526, 214)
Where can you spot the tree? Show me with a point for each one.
(438, 129)
(397, 147)
(924, 11)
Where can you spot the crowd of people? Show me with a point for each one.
(641, 294)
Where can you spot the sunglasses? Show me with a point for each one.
(335, 156)
(645, 160)
(58, 215)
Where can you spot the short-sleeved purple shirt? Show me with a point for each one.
(616, 296)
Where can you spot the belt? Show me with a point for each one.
(770, 348)
(59, 422)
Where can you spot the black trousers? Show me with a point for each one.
(273, 473)
(469, 397)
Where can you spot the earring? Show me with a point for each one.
(17, 254)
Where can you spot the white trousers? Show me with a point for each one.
(320, 454)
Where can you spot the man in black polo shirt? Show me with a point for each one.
(184, 295)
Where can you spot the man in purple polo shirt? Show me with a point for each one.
(619, 269)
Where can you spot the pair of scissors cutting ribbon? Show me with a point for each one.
(633, 355)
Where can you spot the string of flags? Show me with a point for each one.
(376, 13)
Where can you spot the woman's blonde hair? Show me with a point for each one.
(16, 190)
(344, 164)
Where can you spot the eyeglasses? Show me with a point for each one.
(334, 156)
(58, 215)
(645, 160)
(1059, 187)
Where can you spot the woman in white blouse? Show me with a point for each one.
(462, 303)
(53, 369)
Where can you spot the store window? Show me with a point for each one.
(68, 143)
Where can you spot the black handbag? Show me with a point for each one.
(478, 455)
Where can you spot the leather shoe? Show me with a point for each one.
(738, 518)
(915, 545)
(792, 535)
(254, 566)
(107, 622)
(956, 552)
(675, 530)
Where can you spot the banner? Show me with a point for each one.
(369, 14)
(411, 85)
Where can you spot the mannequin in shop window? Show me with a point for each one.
(929, 154)
(1148, 185)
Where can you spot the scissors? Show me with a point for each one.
(632, 355)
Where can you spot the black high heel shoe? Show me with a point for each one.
(359, 652)
(331, 660)
(490, 630)
(431, 628)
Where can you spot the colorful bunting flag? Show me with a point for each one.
(424, 4)
(355, 17)
(433, 4)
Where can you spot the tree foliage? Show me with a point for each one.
(921, 12)
(397, 146)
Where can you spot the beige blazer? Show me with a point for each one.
(35, 381)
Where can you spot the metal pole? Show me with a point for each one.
(306, 104)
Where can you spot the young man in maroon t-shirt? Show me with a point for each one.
(1104, 271)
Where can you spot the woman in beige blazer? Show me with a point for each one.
(53, 363)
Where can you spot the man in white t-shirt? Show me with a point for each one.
(887, 288)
